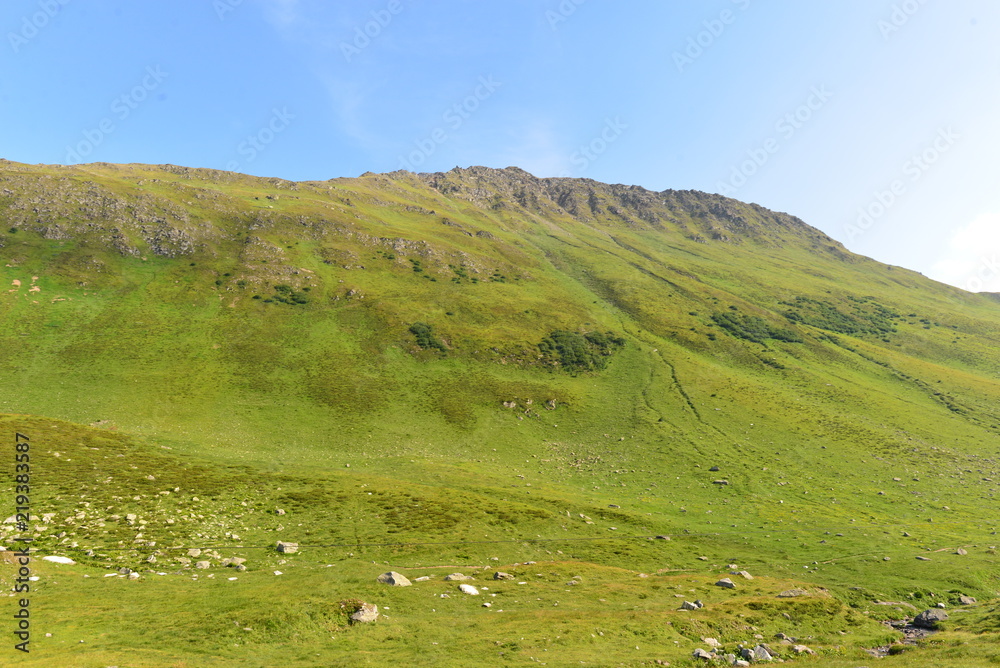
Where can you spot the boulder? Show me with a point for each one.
(702, 654)
(395, 579)
(194, 552)
(688, 605)
(791, 593)
(203, 564)
(457, 577)
(966, 600)
(500, 575)
(287, 548)
(468, 589)
(802, 649)
(727, 583)
(59, 560)
(928, 619)
(367, 613)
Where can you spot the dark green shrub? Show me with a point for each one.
(579, 352)
(424, 334)
(752, 328)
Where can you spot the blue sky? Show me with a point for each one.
(874, 120)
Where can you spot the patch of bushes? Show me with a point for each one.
(753, 328)
(579, 352)
(286, 294)
(424, 334)
(868, 317)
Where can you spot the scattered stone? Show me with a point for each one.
(760, 653)
(457, 577)
(663, 538)
(203, 564)
(727, 583)
(802, 649)
(720, 482)
(233, 561)
(703, 558)
(745, 575)
(499, 575)
(941, 605)
(688, 605)
(287, 548)
(131, 517)
(133, 576)
(712, 642)
(468, 589)
(613, 505)
(961, 552)
(714, 468)
(966, 600)
(367, 613)
(791, 593)
(923, 558)
(702, 654)
(423, 578)
(124, 571)
(241, 568)
(395, 579)
(928, 619)
(194, 552)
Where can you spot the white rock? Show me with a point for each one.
(468, 589)
(59, 560)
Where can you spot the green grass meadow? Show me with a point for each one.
(201, 349)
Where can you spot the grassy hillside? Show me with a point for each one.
(479, 369)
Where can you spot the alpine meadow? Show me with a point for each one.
(639, 420)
